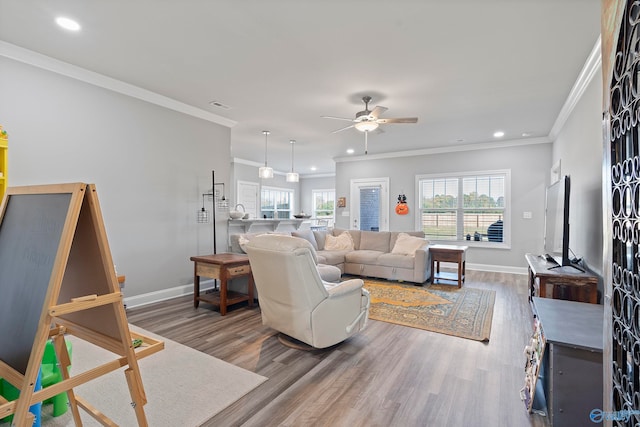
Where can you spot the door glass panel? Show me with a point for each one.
(370, 208)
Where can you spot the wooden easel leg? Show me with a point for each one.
(65, 362)
(96, 414)
(137, 394)
(26, 420)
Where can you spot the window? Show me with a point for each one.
(276, 203)
(324, 203)
(465, 207)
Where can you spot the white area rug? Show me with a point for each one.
(184, 387)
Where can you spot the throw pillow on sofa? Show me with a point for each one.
(407, 245)
(306, 235)
(341, 242)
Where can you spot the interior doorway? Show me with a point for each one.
(370, 204)
(248, 197)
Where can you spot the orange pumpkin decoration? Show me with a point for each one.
(402, 209)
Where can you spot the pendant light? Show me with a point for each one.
(265, 172)
(292, 176)
(203, 215)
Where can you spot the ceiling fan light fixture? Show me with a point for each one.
(366, 126)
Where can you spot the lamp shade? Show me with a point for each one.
(265, 172)
(366, 126)
(203, 216)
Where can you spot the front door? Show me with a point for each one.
(370, 208)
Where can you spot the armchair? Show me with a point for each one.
(294, 299)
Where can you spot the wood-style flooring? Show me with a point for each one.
(388, 375)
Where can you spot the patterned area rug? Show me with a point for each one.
(464, 312)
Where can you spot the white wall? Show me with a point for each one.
(579, 148)
(529, 165)
(150, 166)
(307, 185)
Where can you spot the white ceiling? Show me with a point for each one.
(464, 68)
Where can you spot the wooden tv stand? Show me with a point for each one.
(566, 282)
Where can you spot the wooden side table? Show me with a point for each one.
(224, 267)
(448, 253)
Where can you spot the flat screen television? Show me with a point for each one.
(556, 224)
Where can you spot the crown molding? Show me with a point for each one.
(591, 66)
(258, 164)
(254, 164)
(447, 149)
(318, 175)
(44, 62)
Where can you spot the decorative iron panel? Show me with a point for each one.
(624, 284)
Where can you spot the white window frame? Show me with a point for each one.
(313, 203)
(461, 240)
(291, 192)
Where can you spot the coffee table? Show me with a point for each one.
(225, 266)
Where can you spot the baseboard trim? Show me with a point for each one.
(497, 268)
(166, 294)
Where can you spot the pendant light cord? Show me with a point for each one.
(266, 132)
(292, 143)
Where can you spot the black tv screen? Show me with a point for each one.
(556, 227)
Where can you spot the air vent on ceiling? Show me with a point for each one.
(220, 105)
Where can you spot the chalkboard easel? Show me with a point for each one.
(56, 278)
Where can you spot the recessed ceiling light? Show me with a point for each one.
(68, 23)
(313, 168)
(525, 134)
(350, 151)
(498, 134)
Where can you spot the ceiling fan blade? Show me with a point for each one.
(377, 111)
(398, 120)
(336, 118)
(341, 129)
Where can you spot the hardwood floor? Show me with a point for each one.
(388, 375)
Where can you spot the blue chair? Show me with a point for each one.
(11, 393)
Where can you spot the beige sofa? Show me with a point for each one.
(372, 254)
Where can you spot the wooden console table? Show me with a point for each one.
(224, 267)
(560, 283)
(448, 253)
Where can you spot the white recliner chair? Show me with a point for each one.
(293, 298)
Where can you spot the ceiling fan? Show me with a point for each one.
(369, 120)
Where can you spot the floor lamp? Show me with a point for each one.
(203, 214)
(213, 190)
(221, 203)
